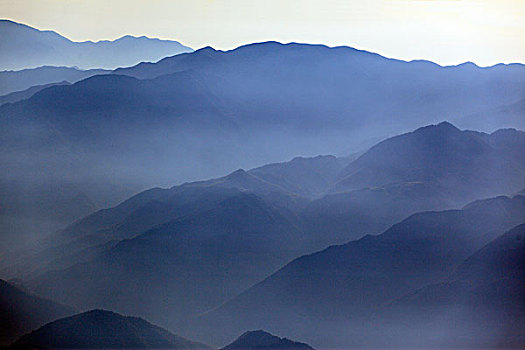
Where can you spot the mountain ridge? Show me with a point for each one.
(50, 48)
(343, 284)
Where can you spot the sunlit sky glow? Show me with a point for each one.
(444, 31)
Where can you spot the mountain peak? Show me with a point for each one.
(261, 339)
(206, 49)
(467, 64)
(99, 312)
(237, 174)
(442, 126)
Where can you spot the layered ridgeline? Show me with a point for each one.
(23, 84)
(485, 292)
(100, 329)
(206, 113)
(472, 165)
(21, 312)
(281, 189)
(27, 93)
(22, 46)
(428, 281)
(434, 167)
(171, 254)
(349, 87)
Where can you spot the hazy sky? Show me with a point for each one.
(445, 31)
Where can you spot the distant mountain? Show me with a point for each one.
(506, 116)
(264, 340)
(22, 47)
(27, 93)
(21, 80)
(21, 312)
(99, 329)
(344, 82)
(328, 297)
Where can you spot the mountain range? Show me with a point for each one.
(372, 223)
(23, 47)
(206, 113)
(337, 297)
(27, 93)
(314, 195)
(170, 255)
(36, 79)
(102, 329)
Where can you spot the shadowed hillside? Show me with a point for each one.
(345, 285)
(21, 312)
(263, 340)
(99, 329)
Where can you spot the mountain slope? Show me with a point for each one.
(25, 47)
(27, 93)
(98, 329)
(502, 258)
(442, 154)
(479, 305)
(185, 266)
(432, 168)
(344, 284)
(308, 177)
(287, 185)
(21, 312)
(263, 340)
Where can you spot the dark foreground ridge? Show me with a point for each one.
(98, 329)
(264, 340)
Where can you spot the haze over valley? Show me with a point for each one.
(271, 196)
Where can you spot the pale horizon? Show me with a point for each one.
(447, 32)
